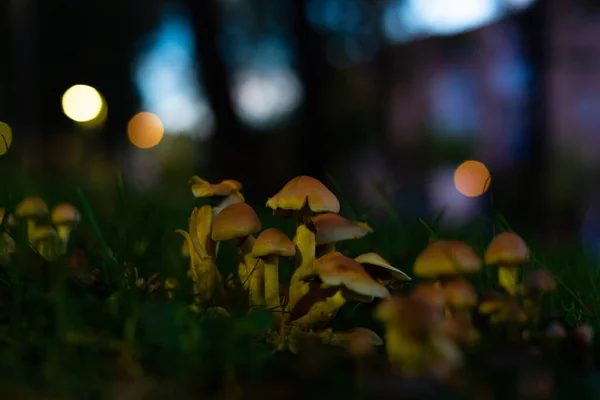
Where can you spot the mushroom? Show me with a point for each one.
(332, 228)
(507, 251)
(358, 341)
(31, 208)
(303, 196)
(446, 259)
(228, 190)
(341, 279)
(238, 223)
(270, 245)
(386, 274)
(535, 286)
(461, 299)
(65, 217)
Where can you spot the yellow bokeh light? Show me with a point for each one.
(472, 178)
(5, 138)
(82, 103)
(145, 130)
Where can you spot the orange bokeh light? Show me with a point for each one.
(472, 178)
(145, 130)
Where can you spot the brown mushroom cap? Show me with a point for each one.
(332, 228)
(358, 341)
(31, 207)
(460, 294)
(273, 242)
(65, 214)
(335, 269)
(432, 294)
(507, 249)
(378, 261)
(446, 258)
(202, 188)
(236, 221)
(413, 315)
(540, 281)
(304, 190)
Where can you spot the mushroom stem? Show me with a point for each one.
(30, 228)
(271, 276)
(64, 232)
(251, 272)
(507, 278)
(323, 249)
(305, 255)
(322, 311)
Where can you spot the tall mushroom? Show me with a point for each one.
(64, 217)
(347, 278)
(270, 245)
(383, 272)
(238, 223)
(333, 228)
(31, 208)
(507, 251)
(303, 196)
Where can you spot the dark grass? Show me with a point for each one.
(60, 339)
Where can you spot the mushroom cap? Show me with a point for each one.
(305, 190)
(446, 258)
(273, 242)
(332, 228)
(460, 294)
(202, 188)
(413, 315)
(358, 341)
(11, 220)
(65, 214)
(236, 221)
(335, 269)
(540, 281)
(378, 261)
(507, 248)
(432, 294)
(43, 232)
(31, 207)
(171, 283)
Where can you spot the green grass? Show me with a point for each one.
(62, 340)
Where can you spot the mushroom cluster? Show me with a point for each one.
(323, 279)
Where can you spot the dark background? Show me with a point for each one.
(348, 89)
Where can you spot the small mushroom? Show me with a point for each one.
(507, 251)
(43, 241)
(382, 271)
(461, 299)
(269, 246)
(359, 342)
(346, 280)
(65, 217)
(303, 196)
(333, 228)
(535, 286)
(446, 259)
(239, 223)
(31, 208)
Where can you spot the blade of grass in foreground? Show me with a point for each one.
(87, 209)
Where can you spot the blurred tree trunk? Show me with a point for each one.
(315, 142)
(532, 24)
(227, 146)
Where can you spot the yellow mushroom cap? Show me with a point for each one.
(202, 188)
(43, 232)
(11, 220)
(335, 269)
(460, 294)
(413, 315)
(273, 242)
(65, 214)
(305, 190)
(507, 248)
(31, 207)
(332, 228)
(432, 294)
(378, 261)
(539, 281)
(446, 258)
(236, 221)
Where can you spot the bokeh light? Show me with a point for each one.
(82, 103)
(145, 130)
(455, 208)
(472, 178)
(5, 138)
